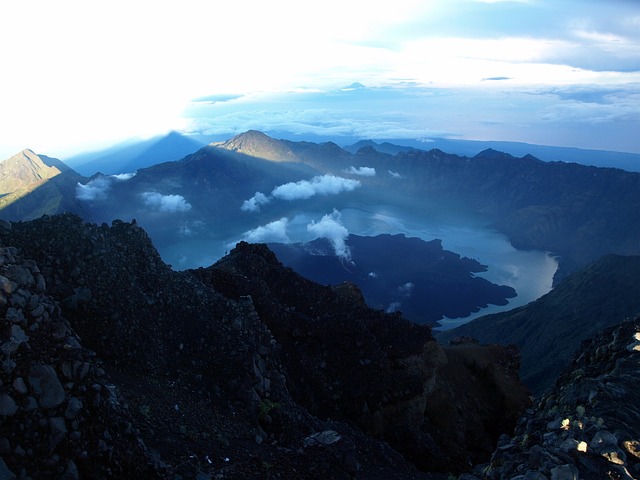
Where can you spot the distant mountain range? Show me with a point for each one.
(469, 148)
(245, 357)
(259, 188)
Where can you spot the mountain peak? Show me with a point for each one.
(353, 86)
(258, 144)
(26, 168)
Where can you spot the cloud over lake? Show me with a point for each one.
(302, 190)
(166, 203)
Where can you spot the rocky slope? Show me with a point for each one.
(224, 372)
(587, 426)
(60, 415)
(384, 373)
(549, 330)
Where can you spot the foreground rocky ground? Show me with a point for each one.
(115, 366)
(588, 425)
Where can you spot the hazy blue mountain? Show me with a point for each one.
(192, 206)
(384, 147)
(574, 211)
(469, 148)
(131, 156)
(549, 330)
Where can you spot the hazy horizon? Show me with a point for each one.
(81, 77)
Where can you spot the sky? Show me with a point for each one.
(78, 75)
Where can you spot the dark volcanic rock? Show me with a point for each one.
(228, 370)
(60, 416)
(200, 372)
(382, 372)
(587, 426)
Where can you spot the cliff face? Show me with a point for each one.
(225, 371)
(384, 373)
(587, 425)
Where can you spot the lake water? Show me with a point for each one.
(530, 273)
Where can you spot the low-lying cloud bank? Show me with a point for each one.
(98, 188)
(321, 185)
(302, 190)
(275, 231)
(255, 202)
(362, 171)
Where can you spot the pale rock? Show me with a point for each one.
(606, 444)
(57, 431)
(322, 438)
(7, 405)
(7, 285)
(18, 335)
(632, 447)
(564, 472)
(74, 406)
(71, 473)
(20, 386)
(5, 473)
(45, 384)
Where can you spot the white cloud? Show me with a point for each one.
(331, 228)
(275, 231)
(96, 189)
(372, 275)
(406, 289)
(394, 174)
(123, 176)
(394, 307)
(301, 190)
(185, 231)
(362, 171)
(321, 185)
(166, 203)
(254, 203)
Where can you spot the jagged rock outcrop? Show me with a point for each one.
(215, 385)
(588, 425)
(60, 414)
(201, 373)
(384, 373)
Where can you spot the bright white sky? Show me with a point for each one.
(77, 74)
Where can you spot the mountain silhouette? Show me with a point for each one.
(132, 156)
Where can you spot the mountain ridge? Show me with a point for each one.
(550, 329)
